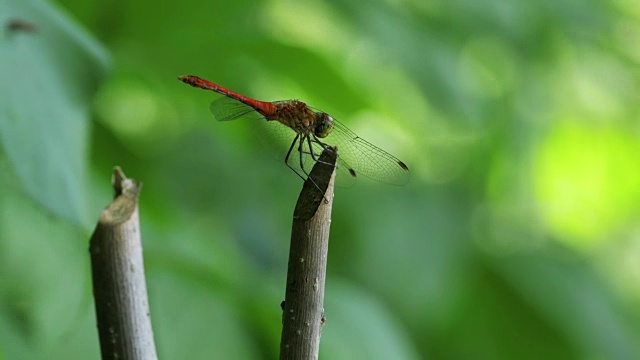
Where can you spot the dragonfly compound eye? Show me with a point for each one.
(324, 125)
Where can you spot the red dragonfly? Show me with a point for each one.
(355, 155)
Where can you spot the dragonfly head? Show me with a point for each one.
(324, 124)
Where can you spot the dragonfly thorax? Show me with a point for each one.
(323, 124)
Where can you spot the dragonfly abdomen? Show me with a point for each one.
(265, 108)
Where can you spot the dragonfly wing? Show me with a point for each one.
(227, 109)
(367, 159)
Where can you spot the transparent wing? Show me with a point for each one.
(227, 109)
(365, 158)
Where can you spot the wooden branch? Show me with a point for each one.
(303, 312)
(119, 286)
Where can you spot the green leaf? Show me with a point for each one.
(50, 69)
(45, 301)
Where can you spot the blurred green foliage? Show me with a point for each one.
(517, 237)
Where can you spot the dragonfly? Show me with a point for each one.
(308, 131)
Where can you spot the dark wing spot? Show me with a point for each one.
(402, 165)
(352, 172)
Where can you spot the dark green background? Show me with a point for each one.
(518, 236)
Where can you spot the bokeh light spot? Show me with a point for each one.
(586, 179)
(128, 107)
(140, 114)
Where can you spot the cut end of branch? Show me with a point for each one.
(125, 201)
(123, 185)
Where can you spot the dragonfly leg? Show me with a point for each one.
(286, 159)
(311, 152)
(301, 153)
(324, 147)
